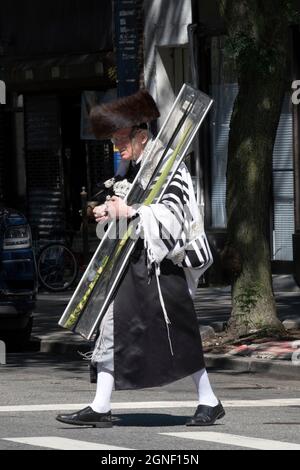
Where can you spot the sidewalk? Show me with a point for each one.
(213, 310)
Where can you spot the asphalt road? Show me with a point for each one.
(260, 412)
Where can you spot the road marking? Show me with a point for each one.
(26, 408)
(234, 440)
(271, 402)
(277, 402)
(60, 443)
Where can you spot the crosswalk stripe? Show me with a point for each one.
(60, 443)
(271, 402)
(278, 402)
(234, 440)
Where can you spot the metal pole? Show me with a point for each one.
(193, 50)
(2, 353)
(296, 134)
(84, 226)
(296, 152)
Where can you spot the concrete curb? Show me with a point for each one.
(70, 348)
(274, 368)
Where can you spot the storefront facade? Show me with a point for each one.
(48, 61)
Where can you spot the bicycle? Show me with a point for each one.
(57, 266)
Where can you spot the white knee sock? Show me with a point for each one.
(206, 395)
(105, 383)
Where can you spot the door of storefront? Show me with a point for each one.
(59, 163)
(44, 171)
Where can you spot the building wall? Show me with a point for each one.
(35, 27)
(51, 52)
(166, 40)
(2, 152)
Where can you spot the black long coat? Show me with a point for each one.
(142, 355)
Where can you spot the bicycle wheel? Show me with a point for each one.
(57, 267)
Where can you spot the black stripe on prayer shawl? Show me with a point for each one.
(176, 212)
(183, 186)
(202, 250)
(180, 181)
(202, 253)
(204, 246)
(193, 258)
(174, 189)
(168, 236)
(160, 229)
(163, 239)
(170, 200)
(186, 262)
(184, 196)
(174, 199)
(198, 256)
(181, 244)
(188, 215)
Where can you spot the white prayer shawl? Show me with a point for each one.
(173, 229)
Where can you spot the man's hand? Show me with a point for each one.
(90, 209)
(114, 208)
(101, 214)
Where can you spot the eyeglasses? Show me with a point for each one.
(121, 140)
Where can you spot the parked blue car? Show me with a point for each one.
(18, 277)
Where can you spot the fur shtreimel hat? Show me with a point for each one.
(125, 112)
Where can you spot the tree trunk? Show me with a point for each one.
(258, 31)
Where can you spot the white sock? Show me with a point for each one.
(105, 383)
(206, 395)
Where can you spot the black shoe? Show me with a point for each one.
(87, 417)
(206, 415)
